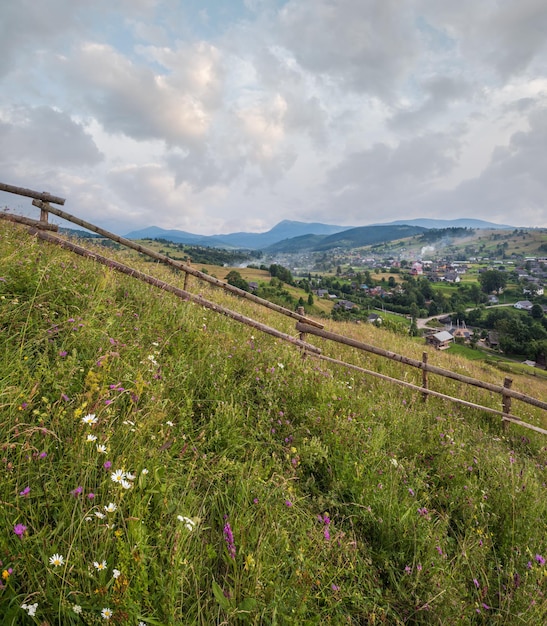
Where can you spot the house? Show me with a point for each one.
(440, 340)
(451, 277)
(492, 340)
(523, 305)
(253, 286)
(493, 300)
(346, 305)
(462, 333)
(374, 318)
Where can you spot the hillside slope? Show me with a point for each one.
(163, 464)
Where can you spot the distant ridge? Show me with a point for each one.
(286, 229)
(462, 222)
(314, 235)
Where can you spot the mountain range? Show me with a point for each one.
(292, 236)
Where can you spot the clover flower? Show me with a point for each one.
(77, 609)
(19, 529)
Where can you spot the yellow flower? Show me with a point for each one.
(249, 562)
(5, 574)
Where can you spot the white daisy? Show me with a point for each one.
(126, 484)
(101, 449)
(107, 613)
(99, 566)
(56, 560)
(89, 419)
(110, 508)
(118, 476)
(91, 438)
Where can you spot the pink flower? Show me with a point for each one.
(25, 491)
(19, 529)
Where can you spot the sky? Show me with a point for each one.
(220, 116)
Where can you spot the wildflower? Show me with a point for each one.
(77, 609)
(19, 529)
(99, 566)
(116, 573)
(408, 569)
(144, 471)
(101, 449)
(288, 503)
(476, 583)
(126, 484)
(280, 366)
(169, 423)
(229, 538)
(56, 560)
(77, 491)
(89, 419)
(141, 624)
(118, 476)
(25, 491)
(107, 465)
(187, 522)
(107, 613)
(62, 353)
(91, 438)
(411, 491)
(7, 573)
(335, 587)
(130, 476)
(30, 608)
(99, 515)
(43, 455)
(110, 508)
(91, 496)
(540, 559)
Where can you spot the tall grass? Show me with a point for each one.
(190, 470)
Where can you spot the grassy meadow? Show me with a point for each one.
(162, 464)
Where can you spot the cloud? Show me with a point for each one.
(362, 45)
(42, 135)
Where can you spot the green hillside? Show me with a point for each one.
(163, 464)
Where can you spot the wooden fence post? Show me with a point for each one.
(187, 275)
(424, 375)
(302, 336)
(44, 215)
(506, 399)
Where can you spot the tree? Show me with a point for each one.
(537, 311)
(492, 280)
(310, 300)
(236, 279)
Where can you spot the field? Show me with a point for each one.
(163, 464)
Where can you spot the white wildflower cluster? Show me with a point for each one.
(125, 479)
(189, 523)
(30, 608)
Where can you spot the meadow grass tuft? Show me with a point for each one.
(162, 464)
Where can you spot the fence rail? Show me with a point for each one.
(304, 325)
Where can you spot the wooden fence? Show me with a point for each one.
(304, 326)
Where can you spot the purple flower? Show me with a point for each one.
(229, 538)
(63, 353)
(19, 529)
(107, 465)
(411, 491)
(91, 496)
(476, 583)
(77, 491)
(43, 455)
(288, 503)
(540, 559)
(327, 534)
(335, 587)
(25, 491)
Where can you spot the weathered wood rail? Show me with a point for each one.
(304, 326)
